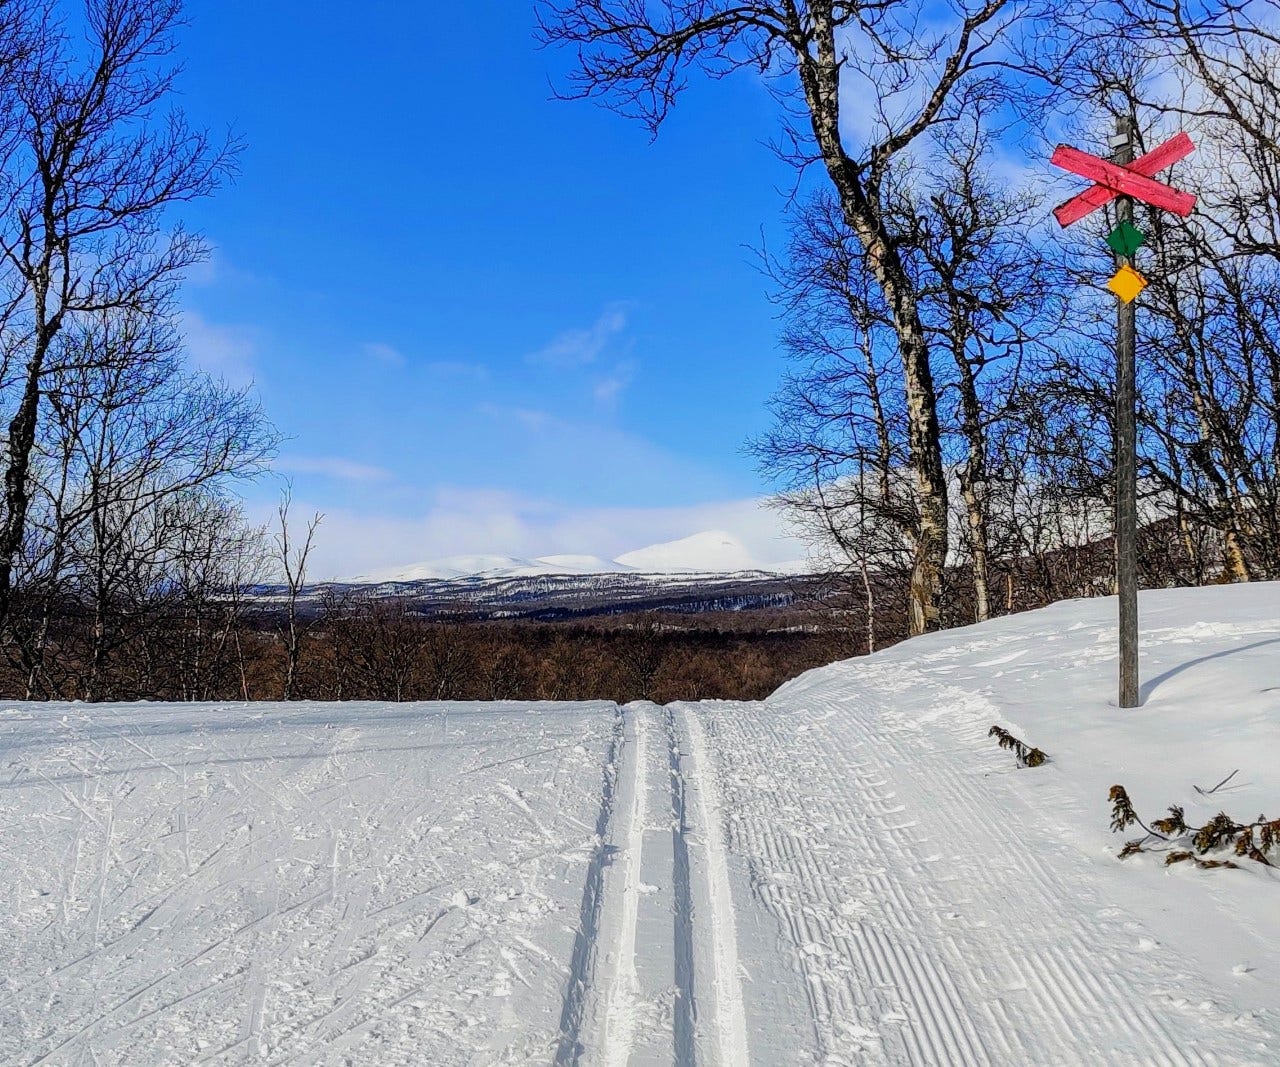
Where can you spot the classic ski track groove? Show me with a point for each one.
(619, 1023)
(585, 965)
(717, 984)
(684, 1023)
(607, 1032)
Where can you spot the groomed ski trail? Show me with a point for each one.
(924, 909)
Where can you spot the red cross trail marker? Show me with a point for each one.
(1129, 179)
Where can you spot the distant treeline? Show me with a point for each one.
(384, 652)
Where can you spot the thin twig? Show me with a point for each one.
(1207, 792)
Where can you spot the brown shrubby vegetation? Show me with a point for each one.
(1250, 840)
(379, 650)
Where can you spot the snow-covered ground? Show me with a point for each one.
(850, 872)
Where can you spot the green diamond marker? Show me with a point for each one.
(1125, 239)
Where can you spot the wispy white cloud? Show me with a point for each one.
(224, 351)
(383, 353)
(529, 418)
(607, 390)
(457, 370)
(581, 347)
(333, 467)
(217, 269)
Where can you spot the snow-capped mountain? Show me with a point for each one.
(709, 552)
(492, 567)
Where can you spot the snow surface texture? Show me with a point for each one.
(850, 872)
(710, 552)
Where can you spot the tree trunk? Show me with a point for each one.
(1237, 570)
(871, 609)
(973, 475)
(22, 439)
(244, 678)
(820, 78)
(287, 690)
(976, 529)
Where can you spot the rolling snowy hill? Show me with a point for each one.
(849, 872)
(713, 551)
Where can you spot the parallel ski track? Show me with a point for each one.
(685, 1018)
(617, 1013)
(598, 1024)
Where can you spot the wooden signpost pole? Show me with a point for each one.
(1126, 505)
(1124, 179)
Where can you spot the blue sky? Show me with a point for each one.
(484, 319)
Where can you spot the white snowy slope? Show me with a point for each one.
(355, 883)
(577, 564)
(711, 551)
(938, 904)
(849, 872)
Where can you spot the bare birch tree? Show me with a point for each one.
(909, 73)
(90, 168)
(134, 460)
(292, 554)
(1209, 363)
(987, 296)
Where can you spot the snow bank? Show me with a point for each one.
(1210, 687)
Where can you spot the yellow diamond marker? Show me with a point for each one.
(1127, 283)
